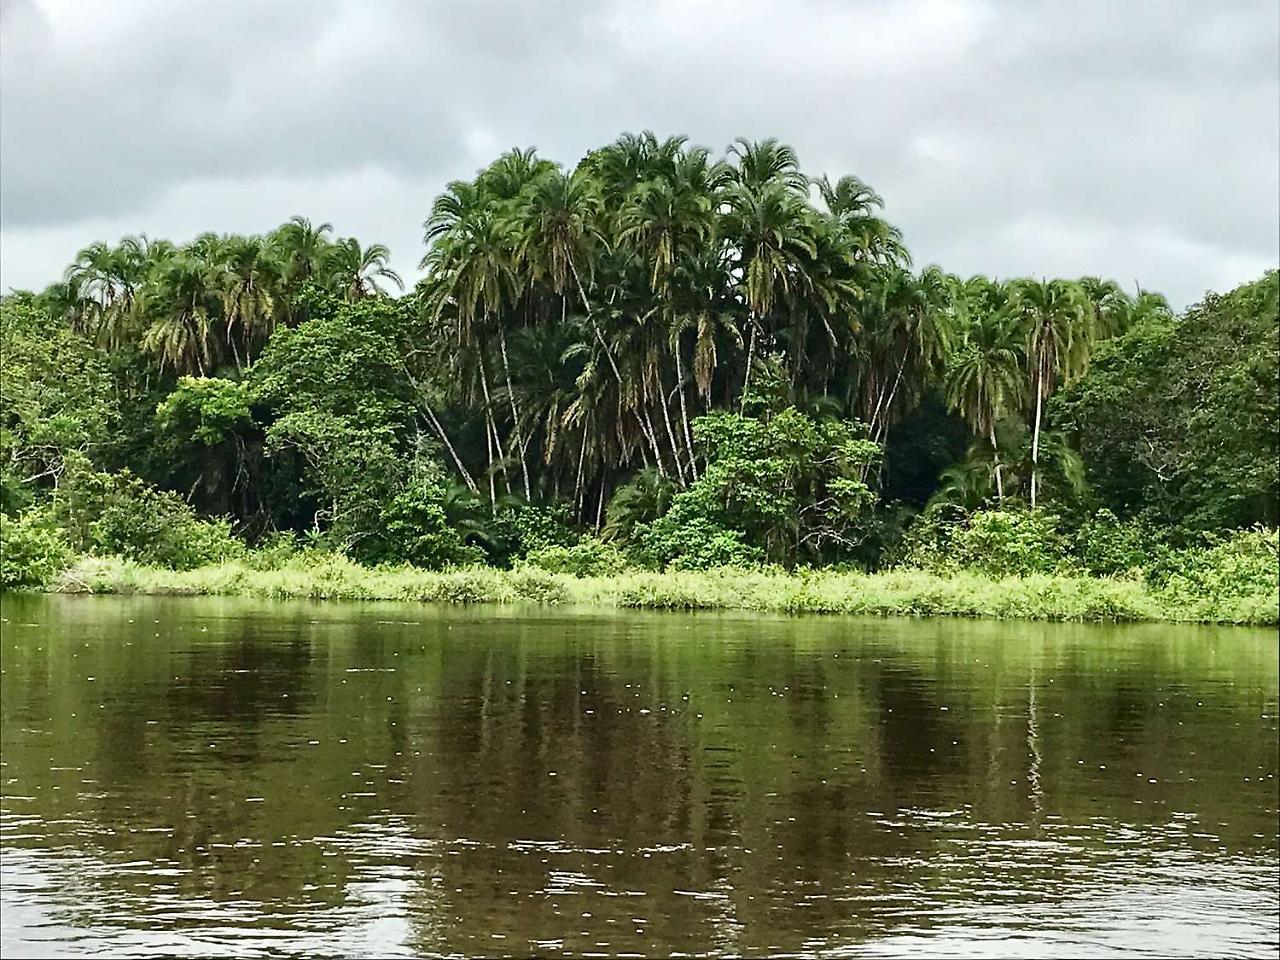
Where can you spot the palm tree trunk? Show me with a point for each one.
(444, 437)
(652, 435)
(488, 444)
(595, 327)
(995, 456)
(671, 436)
(1035, 437)
(488, 412)
(578, 495)
(751, 355)
(877, 425)
(515, 414)
(684, 414)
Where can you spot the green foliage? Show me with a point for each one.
(55, 399)
(1182, 415)
(897, 592)
(685, 539)
(698, 342)
(414, 526)
(1108, 546)
(120, 515)
(515, 530)
(642, 499)
(589, 557)
(1241, 564)
(205, 411)
(998, 543)
(32, 551)
(210, 445)
(783, 488)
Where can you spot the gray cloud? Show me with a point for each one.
(1139, 140)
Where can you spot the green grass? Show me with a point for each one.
(903, 592)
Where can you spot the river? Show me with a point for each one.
(219, 777)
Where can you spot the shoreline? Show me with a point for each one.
(900, 592)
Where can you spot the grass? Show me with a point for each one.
(903, 592)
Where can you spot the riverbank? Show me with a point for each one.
(903, 592)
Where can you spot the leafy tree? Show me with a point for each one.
(1178, 416)
(56, 399)
(1059, 324)
(785, 486)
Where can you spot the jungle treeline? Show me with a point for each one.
(694, 359)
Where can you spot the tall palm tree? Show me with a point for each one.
(250, 278)
(1057, 320)
(182, 304)
(1110, 305)
(302, 247)
(762, 163)
(984, 380)
(472, 274)
(356, 270)
(855, 207)
(909, 320)
(768, 227)
(665, 222)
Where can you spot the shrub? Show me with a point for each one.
(590, 557)
(516, 530)
(1011, 543)
(1107, 546)
(415, 527)
(998, 543)
(538, 586)
(119, 514)
(685, 542)
(1244, 563)
(32, 551)
(273, 551)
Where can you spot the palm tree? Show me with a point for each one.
(984, 379)
(665, 222)
(356, 271)
(764, 163)
(302, 247)
(182, 303)
(1110, 305)
(472, 274)
(1058, 324)
(250, 278)
(768, 227)
(910, 322)
(855, 205)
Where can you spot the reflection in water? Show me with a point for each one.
(226, 778)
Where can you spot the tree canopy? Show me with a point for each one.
(706, 356)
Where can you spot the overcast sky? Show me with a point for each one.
(1134, 140)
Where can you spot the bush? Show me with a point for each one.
(416, 528)
(1003, 543)
(1244, 563)
(589, 557)
(685, 542)
(118, 514)
(32, 551)
(1108, 546)
(999, 543)
(273, 551)
(517, 530)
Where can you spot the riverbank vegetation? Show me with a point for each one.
(659, 376)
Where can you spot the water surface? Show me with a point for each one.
(210, 777)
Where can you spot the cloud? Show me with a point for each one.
(1133, 140)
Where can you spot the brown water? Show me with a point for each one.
(232, 778)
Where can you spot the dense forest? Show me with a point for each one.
(659, 358)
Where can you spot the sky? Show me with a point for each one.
(1128, 139)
